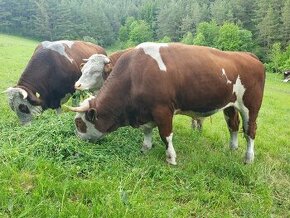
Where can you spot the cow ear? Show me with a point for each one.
(107, 70)
(91, 115)
(81, 65)
(35, 99)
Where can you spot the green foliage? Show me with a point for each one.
(279, 60)
(108, 21)
(187, 38)
(90, 39)
(232, 38)
(207, 34)
(46, 171)
(199, 39)
(229, 37)
(286, 22)
(140, 32)
(165, 39)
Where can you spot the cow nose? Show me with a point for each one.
(77, 85)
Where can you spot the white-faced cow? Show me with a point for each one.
(49, 78)
(151, 83)
(286, 76)
(96, 70)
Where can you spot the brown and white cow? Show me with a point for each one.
(286, 76)
(151, 83)
(98, 67)
(96, 70)
(49, 77)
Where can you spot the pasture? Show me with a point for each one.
(46, 171)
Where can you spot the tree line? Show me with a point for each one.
(259, 26)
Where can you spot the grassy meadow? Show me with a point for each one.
(46, 171)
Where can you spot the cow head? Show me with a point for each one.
(90, 124)
(24, 103)
(94, 72)
(286, 76)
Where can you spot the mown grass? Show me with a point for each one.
(46, 171)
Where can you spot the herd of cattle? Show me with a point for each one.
(143, 87)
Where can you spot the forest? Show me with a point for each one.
(258, 26)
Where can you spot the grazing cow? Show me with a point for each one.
(286, 76)
(98, 67)
(48, 79)
(151, 83)
(96, 70)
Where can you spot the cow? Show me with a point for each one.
(49, 77)
(154, 81)
(96, 69)
(286, 76)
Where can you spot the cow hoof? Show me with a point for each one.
(249, 158)
(171, 161)
(233, 147)
(145, 149)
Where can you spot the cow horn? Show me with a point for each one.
(37, 94)
(20, 90)
(79, 109)
(107, 60)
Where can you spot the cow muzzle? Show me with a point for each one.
(78, 86)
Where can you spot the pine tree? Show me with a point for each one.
(41, 21)
(286, 22)
(5, 16)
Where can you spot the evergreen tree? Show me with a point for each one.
(286, 22)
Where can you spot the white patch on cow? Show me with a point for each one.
(170, 152)
(286, 80)
(92, 133)
(234, 140)
(225, 75)
(147, 130)
(58, 46)
(249, 157)
(239, 90)
(153, 49)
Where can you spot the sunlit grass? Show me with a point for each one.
(46, 171)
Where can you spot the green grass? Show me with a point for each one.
(46, 171)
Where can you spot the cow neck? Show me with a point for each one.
(29, 80)
(113, 98)
(29, 83)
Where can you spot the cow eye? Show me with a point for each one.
(23, 108)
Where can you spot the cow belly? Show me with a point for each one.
(194, 114)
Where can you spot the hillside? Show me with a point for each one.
(46, 171)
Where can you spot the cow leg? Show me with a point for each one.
(232, 118)
(196, 123)
(249, 127)
(163, 119)
(147, 130)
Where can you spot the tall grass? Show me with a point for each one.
(46, 171)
